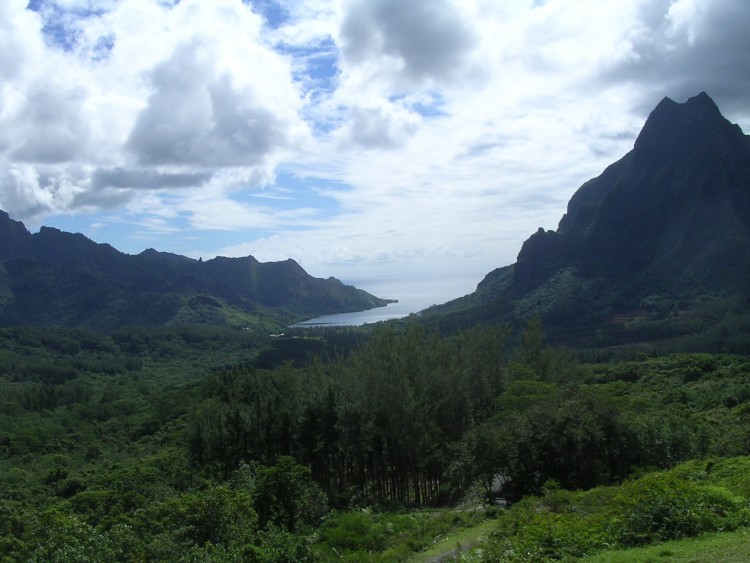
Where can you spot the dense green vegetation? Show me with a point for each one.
(695, 498)
(204, 443)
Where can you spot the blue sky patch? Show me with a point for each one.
(274, 14)
(291, 192)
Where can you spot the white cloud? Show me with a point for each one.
(686, 47)
(51, 125)
(380, 125)
(19, 40)
(32, 194)
(421, 42)
(150, 90)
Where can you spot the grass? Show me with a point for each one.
(727, 547)
(462, 536)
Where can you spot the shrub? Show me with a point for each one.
(662, 507)
(531, 533)
(354, 531)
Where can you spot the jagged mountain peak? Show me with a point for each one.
(684, 148)
(675, 128)
(699, 108)
(14, 237)
(685, 183)
(668, 223)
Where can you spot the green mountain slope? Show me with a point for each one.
(661, 235)
(58, 278)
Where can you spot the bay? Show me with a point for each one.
(413, 296)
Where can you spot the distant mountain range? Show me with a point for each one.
(54, 278)
(657, 246)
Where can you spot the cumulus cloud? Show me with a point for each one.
(687, 46)
(51, 125)
(121, 97)
(381, 125)
(422, 41)
(31, 194)
(197, 117)
(19, 39)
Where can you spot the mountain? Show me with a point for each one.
(58, 278)
(656, 246)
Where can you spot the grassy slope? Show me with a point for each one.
(694, 506)
(460, 538)
(728, 547)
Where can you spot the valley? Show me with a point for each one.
(589, 401)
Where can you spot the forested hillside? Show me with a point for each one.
(53, 278)
(175, 444)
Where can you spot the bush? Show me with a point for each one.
(693, 499)
(662, 507)
(533, 530)
(354, 531)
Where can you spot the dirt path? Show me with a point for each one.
(451, 555)
(447, 548)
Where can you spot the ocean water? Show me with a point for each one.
(412, 295)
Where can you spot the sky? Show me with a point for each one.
(377, 141)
